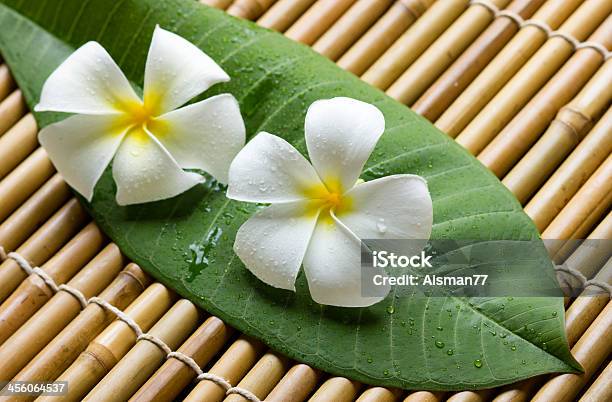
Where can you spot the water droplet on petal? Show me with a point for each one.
(382, 228)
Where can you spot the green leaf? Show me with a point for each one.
(186, 242)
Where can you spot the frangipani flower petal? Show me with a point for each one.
(176, 71)
(272, 243)
(81, 147)
(144, 171)
(269, 169)
(206, 135)
(333, 267)
(87, 82)
(392, 207)
(341, 134)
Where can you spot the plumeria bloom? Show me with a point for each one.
(151, 139)
(320, 211)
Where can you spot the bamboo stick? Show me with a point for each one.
(415, 80)
(530, 78)
(565, 132)
(23, 181)
(573, 120)
(413, 42)
(222, 4)
(350, 27)
(296, 385)
(585, 250)
(57, 360)
(17, 143)
(569, 127)
(283, 13)
(249, 9)
(33, 213)
(591, 351)
(572, 174)
(604, 229)
(262, 378)
(591, 255)
(33, 292)
(232, 366)
(174, 375)
(591, 219)
(600, 390)
(314, 22)
(592, 260)
(6, 82)
(380, 394)
(424, 396)
(145, 357)
(503, 67)
(11, 110)
(472, 61)
(337, 389)
(585, 208)
(471, 396)
(604, 275)
(519, 392)
(43, 244)
(39, 330)
(384, 32)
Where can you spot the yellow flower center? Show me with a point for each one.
(333, 200)
(138, 115)
(327, 198)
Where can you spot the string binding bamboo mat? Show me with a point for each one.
(529, 96)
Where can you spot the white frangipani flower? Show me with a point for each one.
(320, 212)
(150, 139)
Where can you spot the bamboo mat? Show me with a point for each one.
(525, 85)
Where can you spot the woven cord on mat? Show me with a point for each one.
(566, 274)
(140, 334)
(550, 33)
